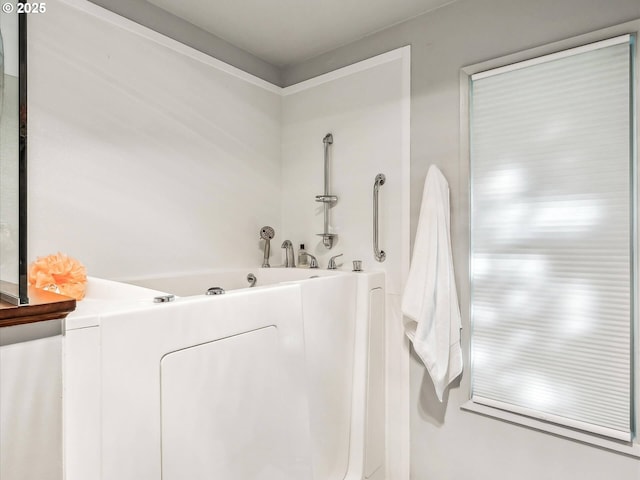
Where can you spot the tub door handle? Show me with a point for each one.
(377, 252)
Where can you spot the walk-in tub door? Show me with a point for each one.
(227, 412)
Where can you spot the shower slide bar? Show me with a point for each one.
(327, 199)
(377, 252)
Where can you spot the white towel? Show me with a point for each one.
(430, 301)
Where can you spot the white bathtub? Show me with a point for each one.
(280, 381)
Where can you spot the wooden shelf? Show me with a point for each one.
(43, 305)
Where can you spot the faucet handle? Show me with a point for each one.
(314, 262)
(332, 262)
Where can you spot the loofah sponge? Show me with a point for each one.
(59, 273)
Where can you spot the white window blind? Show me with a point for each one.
(551, 238)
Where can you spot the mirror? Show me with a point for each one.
(13, 182)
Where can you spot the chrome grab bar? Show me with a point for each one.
(377, 252)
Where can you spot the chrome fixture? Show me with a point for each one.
(267, 234)
(289, 256)
(377, 252)
(313, 263)
(251, 278)
(332, 262)
(215, 291)
(327, 199)
(357, 265)
(164, 298)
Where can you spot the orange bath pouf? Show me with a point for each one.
(59, 273)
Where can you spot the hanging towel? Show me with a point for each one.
(430, 301)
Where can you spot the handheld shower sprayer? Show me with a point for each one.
(267, 234)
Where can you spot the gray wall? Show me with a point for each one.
(446, 442)
(147, 14)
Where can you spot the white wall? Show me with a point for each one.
(148, 157)
(364, 111)
(366, 108)
(446, 442)
(144, 156)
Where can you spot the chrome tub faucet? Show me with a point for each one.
(289, 259)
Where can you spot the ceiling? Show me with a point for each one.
(283, 32)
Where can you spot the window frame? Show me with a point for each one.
(467, 404)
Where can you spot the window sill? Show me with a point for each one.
(631, 449)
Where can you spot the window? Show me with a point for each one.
(552, 238)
